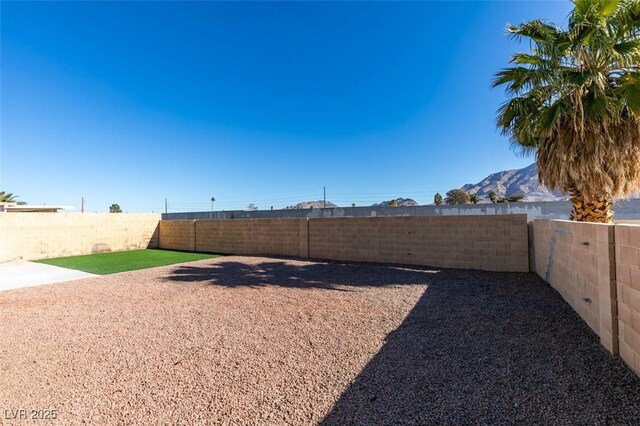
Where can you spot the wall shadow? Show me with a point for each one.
(477, 348)
(281, 273)
(490, 348)
(154, 240)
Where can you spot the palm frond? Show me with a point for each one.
(574, 99)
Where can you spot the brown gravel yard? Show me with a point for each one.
(248, 340)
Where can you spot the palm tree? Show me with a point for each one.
(457, 196)
(8, 197)
(575, 102)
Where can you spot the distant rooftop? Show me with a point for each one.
(14, 207)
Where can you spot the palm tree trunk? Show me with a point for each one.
(594, 210)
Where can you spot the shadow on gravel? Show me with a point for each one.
(333, 276)
(491, 348)
(477, 348)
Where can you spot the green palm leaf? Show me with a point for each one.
(574, 99)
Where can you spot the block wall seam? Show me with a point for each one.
(613, 284)
(309, 231)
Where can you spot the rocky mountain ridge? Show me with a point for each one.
(399, 202)
(511, 182)
(311, 205)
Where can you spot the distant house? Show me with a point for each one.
(4, 205)
(14, 207)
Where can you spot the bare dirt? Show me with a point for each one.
(248, 340)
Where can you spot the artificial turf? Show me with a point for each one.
(111, 263)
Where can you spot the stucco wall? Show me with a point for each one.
(624, 210)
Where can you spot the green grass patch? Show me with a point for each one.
(122, 261)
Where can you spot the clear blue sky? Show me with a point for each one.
(130, 103)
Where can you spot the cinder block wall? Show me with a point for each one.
(283, 237)
(577, 259)
(177, 235)
(494, 243)
(627, 243)
(31, 236)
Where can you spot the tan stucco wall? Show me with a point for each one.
(577, 259)
(496, 243)
(32, 236)
(628, 289)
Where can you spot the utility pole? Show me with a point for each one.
(324, 204)
(82, 205)
(166, 206)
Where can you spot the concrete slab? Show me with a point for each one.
(28, 274)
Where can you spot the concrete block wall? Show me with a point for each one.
(624, 209)
(282, 237)
(627, 252)
(31, 236)
(494, 243)
(177, 235)
(578, 260)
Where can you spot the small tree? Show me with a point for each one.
(353, 204)
(511, 199)
(114, 208)
(437, 199)
(493, 196)
(457, 196)
(392, 203)
(474, 198)
(252, 207)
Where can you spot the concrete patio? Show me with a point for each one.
(20, 274)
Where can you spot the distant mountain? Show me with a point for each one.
(311, 205)
(400, 202)
(510, 182)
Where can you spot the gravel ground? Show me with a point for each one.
(247, 340)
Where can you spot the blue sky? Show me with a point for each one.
(260, 103)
